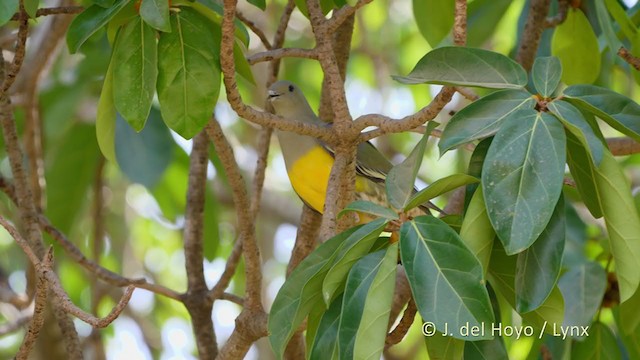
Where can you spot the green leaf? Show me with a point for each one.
(325, 345)
(325, 5)
(89, 21)
(106, 118)
(630, 340)
(462, 66)
(538, 267)
(440, 187)
(483, 117)
(156, 14)
(135, 71)
(434, 28)
(583, 287)
(401, 178)
(189, 76)
(103, 3)
(623, 224)
(576, 45)
(619, 14)
(607, 27)
(617, 110)
(475, 169)
(31, 7)
(441, 347)
(353, 248)
(487, 349)
(600, 344)
(629, 314)
(445, 277)
(546, 75)
(367, 304)
(301, 292)
(7, 9)
(584, 170)
(261, 4)
(522, 177)
(483, 18)
(477, 232)
(143, 157)
(368, 207)
(575, 122)
(242, 64)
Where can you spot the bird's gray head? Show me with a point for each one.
(288, 101)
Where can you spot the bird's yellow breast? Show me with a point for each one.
(309, 176)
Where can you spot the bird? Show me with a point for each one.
(309, 161)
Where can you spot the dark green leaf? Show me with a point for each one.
(522, 177)
(582, 287)
(484, 16)
(623, 224)
(445, 277)
(462, 66)
(369, 208)
(354, 247)
(546, 75)
(607, 27)
(325, 345)
(576, 45)
(584, 170)
(189, 76)
(475, 168)
(576, 123)
(538, 267)
(477, 232)
(31, 7)
(103, 3)
(617, 110)
(89, 21)
(135, 71)
(156, 14)
(486, 349)
(434, 28)
(301, 292)
(483, 117)
(261, 4)
(106, 118)
(144, 156)
(367, 303)
(401, 178)
(440, 187)
(7, 9)
(601, 344)
(325, 5)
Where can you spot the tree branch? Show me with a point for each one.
(533, 29)
(60, 10)
(256, 30)
(623, 146)
(634, 61)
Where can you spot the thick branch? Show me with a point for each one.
(533, 29)
(460, 23)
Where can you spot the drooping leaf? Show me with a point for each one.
(483, 18)
(135, 71)
(434, 28)
(477, 232)
(325, 344)
(369, 208)
(623, 224)
(483, 117)
(475, 168)
(301, 292)
(538, 267)
(7, 9)
(156, 14)
(89, 21)
(607, 27)
(627, 26)
(575, 122)
(440, 187)
(584, 170)
(600, 344)
(617, 110)
(143, 157)
(462, 66)
(31, 7)
(576, 45)
(367, 303)
(546, 75)
(189, 76)
(260, 4)
(401, 178)
(106, 118)
(583, 287)
(445, 277)
(354, 247)
(522, 177)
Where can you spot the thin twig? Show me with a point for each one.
(629, 58)
(563, 9)
(256, 30)
(460, 23)
(20, 50)
(403, 327)
(277, 54)
(623, 146)
(59, 10)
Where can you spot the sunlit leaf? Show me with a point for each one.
(89, 21)
(477, 232)
(617, 110)
(483, 117)
(546, 75)
(135, 71)
(370, 208)
(576, 45)
(434, 28)
(522, 177)
(462, 66)
(440, 346)
(440, 187)
(445, 277)
(583, 287)
(156, 14)
(189, 77)
(629, 314)
(538, 267)
(600, 344)
(106, 118)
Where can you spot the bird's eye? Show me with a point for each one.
(290, 88)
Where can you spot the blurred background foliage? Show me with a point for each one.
(145, 191)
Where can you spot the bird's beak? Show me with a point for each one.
(273, 94)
